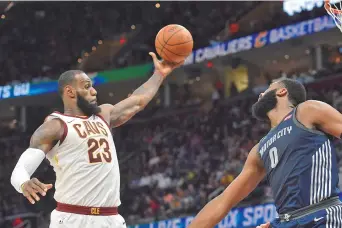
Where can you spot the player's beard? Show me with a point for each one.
(265, 104)
(87, 108)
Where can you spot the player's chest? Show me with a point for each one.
(92, 138)
(87, 129)
(276, 144)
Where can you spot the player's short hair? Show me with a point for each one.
(296, 90)
(67, 78)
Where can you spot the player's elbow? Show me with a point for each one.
(143, 101)
(141, 107)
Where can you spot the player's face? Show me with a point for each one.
(267, 101)
(86, 96)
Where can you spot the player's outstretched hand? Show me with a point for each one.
(267, 225)
(32, 187)
(164, 67)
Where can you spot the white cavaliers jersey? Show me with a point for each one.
(85, 162)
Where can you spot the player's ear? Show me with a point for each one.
(70, 92)
(281, 92)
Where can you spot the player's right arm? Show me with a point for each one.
(251, 175)
(42, 141)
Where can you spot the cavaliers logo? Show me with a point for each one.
(261, 39)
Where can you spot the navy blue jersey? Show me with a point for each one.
(300, 163)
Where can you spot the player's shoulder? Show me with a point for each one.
(311, 104)
(51, 129)
(310, 107)
(54, 122)
(255, 148)
(105, 112)
(51, 122)
(64, 118)
(310, 112)
(54, 115)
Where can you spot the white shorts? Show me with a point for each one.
(69, 220)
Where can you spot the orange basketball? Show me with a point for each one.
(174, 43)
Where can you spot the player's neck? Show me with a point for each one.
(277, 115)
(73, 111)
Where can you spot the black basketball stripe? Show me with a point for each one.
(174, 53)
(163, 46)
(160, 43)
(180, 43)
(169, 59)
(169, 37)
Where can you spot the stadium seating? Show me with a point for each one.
(39, 42)
(171, 165)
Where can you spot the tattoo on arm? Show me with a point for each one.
(149, 89)
(126, 109)
(47, 135)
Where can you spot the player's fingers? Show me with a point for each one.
(267, 225)
(263, 225)
(48, 186)
(43, 186)
(30, 189)
(27, 194)
(29, 197)
(154, 57)
(39, 187)
(35, 196)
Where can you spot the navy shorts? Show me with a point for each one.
(327, 218)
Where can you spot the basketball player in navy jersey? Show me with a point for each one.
(297, 157)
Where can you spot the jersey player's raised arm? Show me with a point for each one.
(317, 114)
(251, 175)
(126, 109)
(123, 111)
(42, 140)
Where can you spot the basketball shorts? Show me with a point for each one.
(69, 220)
(326, 218)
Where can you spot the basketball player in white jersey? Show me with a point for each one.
(80, 147)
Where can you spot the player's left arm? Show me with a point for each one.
(123, 111)
(321, 115)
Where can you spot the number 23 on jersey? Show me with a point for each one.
(98, 151)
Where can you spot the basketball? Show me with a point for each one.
(174, 43)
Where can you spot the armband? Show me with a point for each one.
(27, 164)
